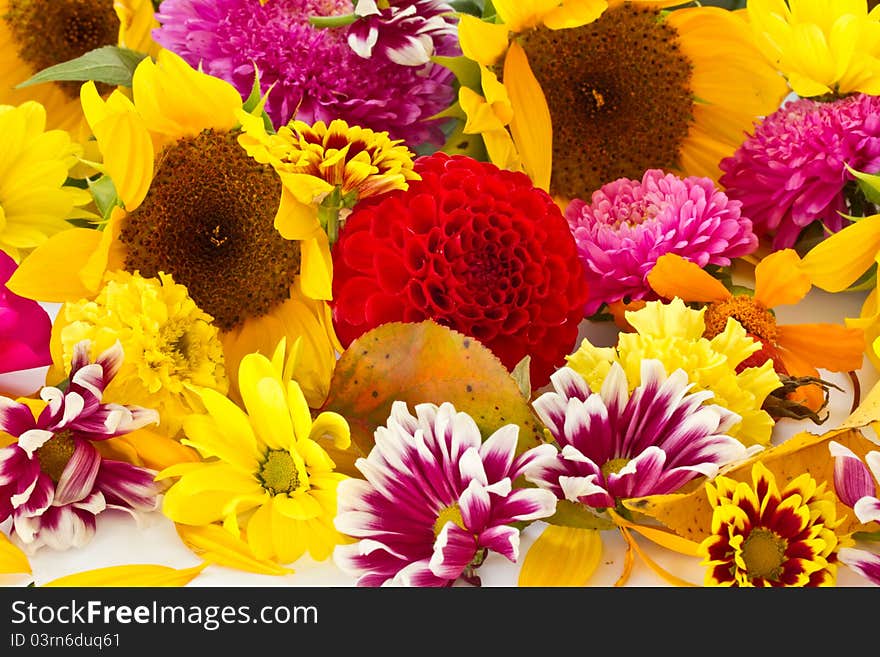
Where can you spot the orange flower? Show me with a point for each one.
(797, 350)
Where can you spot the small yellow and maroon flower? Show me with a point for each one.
(766, 537)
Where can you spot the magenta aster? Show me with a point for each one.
(435, 499)
(407, 32)
(53, 481)
(855, 483)
(313, 72)
(629, 224)
(790, 172)
(615, 445)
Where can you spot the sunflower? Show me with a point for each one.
(796, 349)
(195, 206)
(579, 96)
(36, 34)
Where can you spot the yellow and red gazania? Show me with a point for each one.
(716, 100)
(796, 349)
(35, 34)
(182, 179)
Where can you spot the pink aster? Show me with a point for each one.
(629, 224)
(615, 445)
(791, 171)
(24, 326)
(313, 73)
(435, 499)
(855, 483)
(53, 480)
(408, 32)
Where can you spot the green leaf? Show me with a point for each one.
(466, 71)
(104, 192)
(255, 103)
(111, 65)
(868, 183)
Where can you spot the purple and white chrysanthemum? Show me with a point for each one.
(313, 73)
(615, 445)
(855, 483)
(629, 224)
(406, 32)
(53, 481)
(435, 499)
(791, 171)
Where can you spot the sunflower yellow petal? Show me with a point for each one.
(317, 268)
(145, 575)
(481, 41)
(519, 15)
(837, 262)
(562, 556)
(574, 13)
(531, 126)
(12, 559)
(215, 545)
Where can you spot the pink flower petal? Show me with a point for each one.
(78, 478)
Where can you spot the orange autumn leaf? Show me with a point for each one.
(425, 362)
(689, 514)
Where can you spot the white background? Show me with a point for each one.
(120, 540)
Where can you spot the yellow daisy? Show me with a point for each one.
(35, 203)
(820, 46)
(265, 476)
(169, 343)
(577, 94)
(325, 170)
(195, 206)
(673, 334)
(36, 34)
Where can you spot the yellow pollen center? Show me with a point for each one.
(449, 513)
(279, 473)
(763, 553)
(55, 454)
(753, 315)
(614, 466)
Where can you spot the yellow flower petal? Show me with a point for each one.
(779, 279)
(673, 276)
(317, 268)
(157, 451)
(12, 559)
(145, 575)
(574, 13)
(531, 125)
(562, 556)
(481, 41)
(215, 545)
(263, 395)
(837, 262)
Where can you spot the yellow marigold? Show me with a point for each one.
(673, 333)
(170, 344)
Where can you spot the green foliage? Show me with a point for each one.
(111, 65)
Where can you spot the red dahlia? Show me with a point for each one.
(473, 247)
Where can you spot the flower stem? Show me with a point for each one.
(333, 21)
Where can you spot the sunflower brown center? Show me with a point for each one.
(208, 220)
(751, 314)
(763, 553)
(48, 32)
(619, 95)
(279, 473)
(55, 454)
(450, 513)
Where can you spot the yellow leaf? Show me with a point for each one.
(562, 556)
(653, 565)
(12, 559)
(218, 546)
(661, 537)
(689, 514)
(867, 413)
(139, 575)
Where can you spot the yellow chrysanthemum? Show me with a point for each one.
(36, 34)
(194, 205)
(578, 95)
(265, 476)
(673, 334)
(35, 203)
(325, 170)
(169, 343)
(766, 537)
(820, 46)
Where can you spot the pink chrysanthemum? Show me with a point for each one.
(855, 483)
(53, 481)
(313, 73)
(791, 171)
(407, 32)
(435, 499)
(629, 224)
(615, 445)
